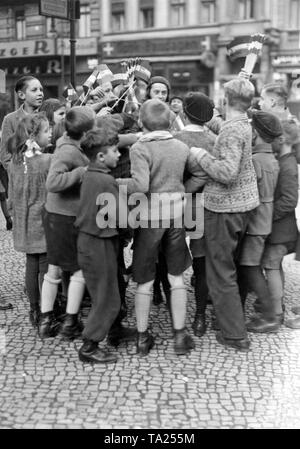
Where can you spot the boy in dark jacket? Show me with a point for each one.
(266, 128)
(283, 238)
(98, 244)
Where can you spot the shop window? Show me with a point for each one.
(20, 25)
(294, 20)
(177, 13)
(84, 25)
(147, 13)
(117, 16)
(245, 9)
(208, 11)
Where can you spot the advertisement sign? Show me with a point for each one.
(54, 8)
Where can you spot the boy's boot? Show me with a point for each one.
(9, 223)
(71, 327)
(145, 342)
(34, 315)
(183, 342)
(199, 324)
(91, 353)
(120, 334)
(48, 326)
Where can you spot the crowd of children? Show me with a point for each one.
(60, 160)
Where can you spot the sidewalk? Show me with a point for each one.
(44, 385)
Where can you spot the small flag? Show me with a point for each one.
(238, 47)
(143, 70)
(105, 75)
(254, 51)
(89, 83)
(120, 76)
(70, 94)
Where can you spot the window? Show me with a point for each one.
(147, 13)
(177, 13)
(85, 21)
(208, 11)
(294, 20)
(117, 16)
(20, 25)
(245, 9)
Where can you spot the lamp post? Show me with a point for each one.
(73, 42)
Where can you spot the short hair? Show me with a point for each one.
(50, 106)
(98, 140)
(155, 115)
(79, 120)
(22, 82)
(279, 91)
(291, 132)
(239, 93)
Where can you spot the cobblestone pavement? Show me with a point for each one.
(44, 385)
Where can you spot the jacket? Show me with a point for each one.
(9, 126)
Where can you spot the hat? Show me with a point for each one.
(267, 125)
(161, 80)
(113, 122)
(198, 107)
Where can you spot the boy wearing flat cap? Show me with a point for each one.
(266, 128)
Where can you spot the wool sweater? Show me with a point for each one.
(27, 196)
(9, 126)
(267, 169)
(65, 177)
(157, 166)
(233, 185)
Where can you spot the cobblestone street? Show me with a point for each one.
(43, 385)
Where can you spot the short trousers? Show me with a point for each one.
(252, 250)
(197, 247)
(147, 244)
(61, 238)
(274, 254)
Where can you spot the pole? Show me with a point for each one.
(73, 43)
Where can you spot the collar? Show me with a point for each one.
(243, 117)
(21, 109)
(262, 148)
(98, 167)
(32, 148)
(156, 135)
(194, 128)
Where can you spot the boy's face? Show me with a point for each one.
(176, 105)
(32, 94)
(160, 91)
(111, 157)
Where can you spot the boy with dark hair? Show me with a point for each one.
(63, 184)
(98, 246)
(266, 128)
(157, 166)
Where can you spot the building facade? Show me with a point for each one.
(39, 45)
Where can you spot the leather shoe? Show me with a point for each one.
(199, 325)
(183, 342)
(121, 334)
(241, 345)
(263, 326)
(5, 305)
(294, 323)
(90, 353)
(145, 342)
(48, 326)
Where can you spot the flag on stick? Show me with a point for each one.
(70, 94)
(254, 51)
(105, 75)
(238, 47)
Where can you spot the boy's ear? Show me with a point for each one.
(100, 157)
(21, 95)
(281, 139)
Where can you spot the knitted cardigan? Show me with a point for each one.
(233, 184)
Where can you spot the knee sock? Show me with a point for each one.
(142, 309)
(49, 292)
(75, 293)
(178, 306)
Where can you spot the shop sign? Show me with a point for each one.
(289, 60)
(23, 49)
(54, 8)
(50, 67)
(84, 46)
(158, 47)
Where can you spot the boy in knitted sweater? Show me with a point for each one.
(229, 196)
(198, 110)
(157, 167)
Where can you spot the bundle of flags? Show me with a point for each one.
(124, 74)
(254, 51)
